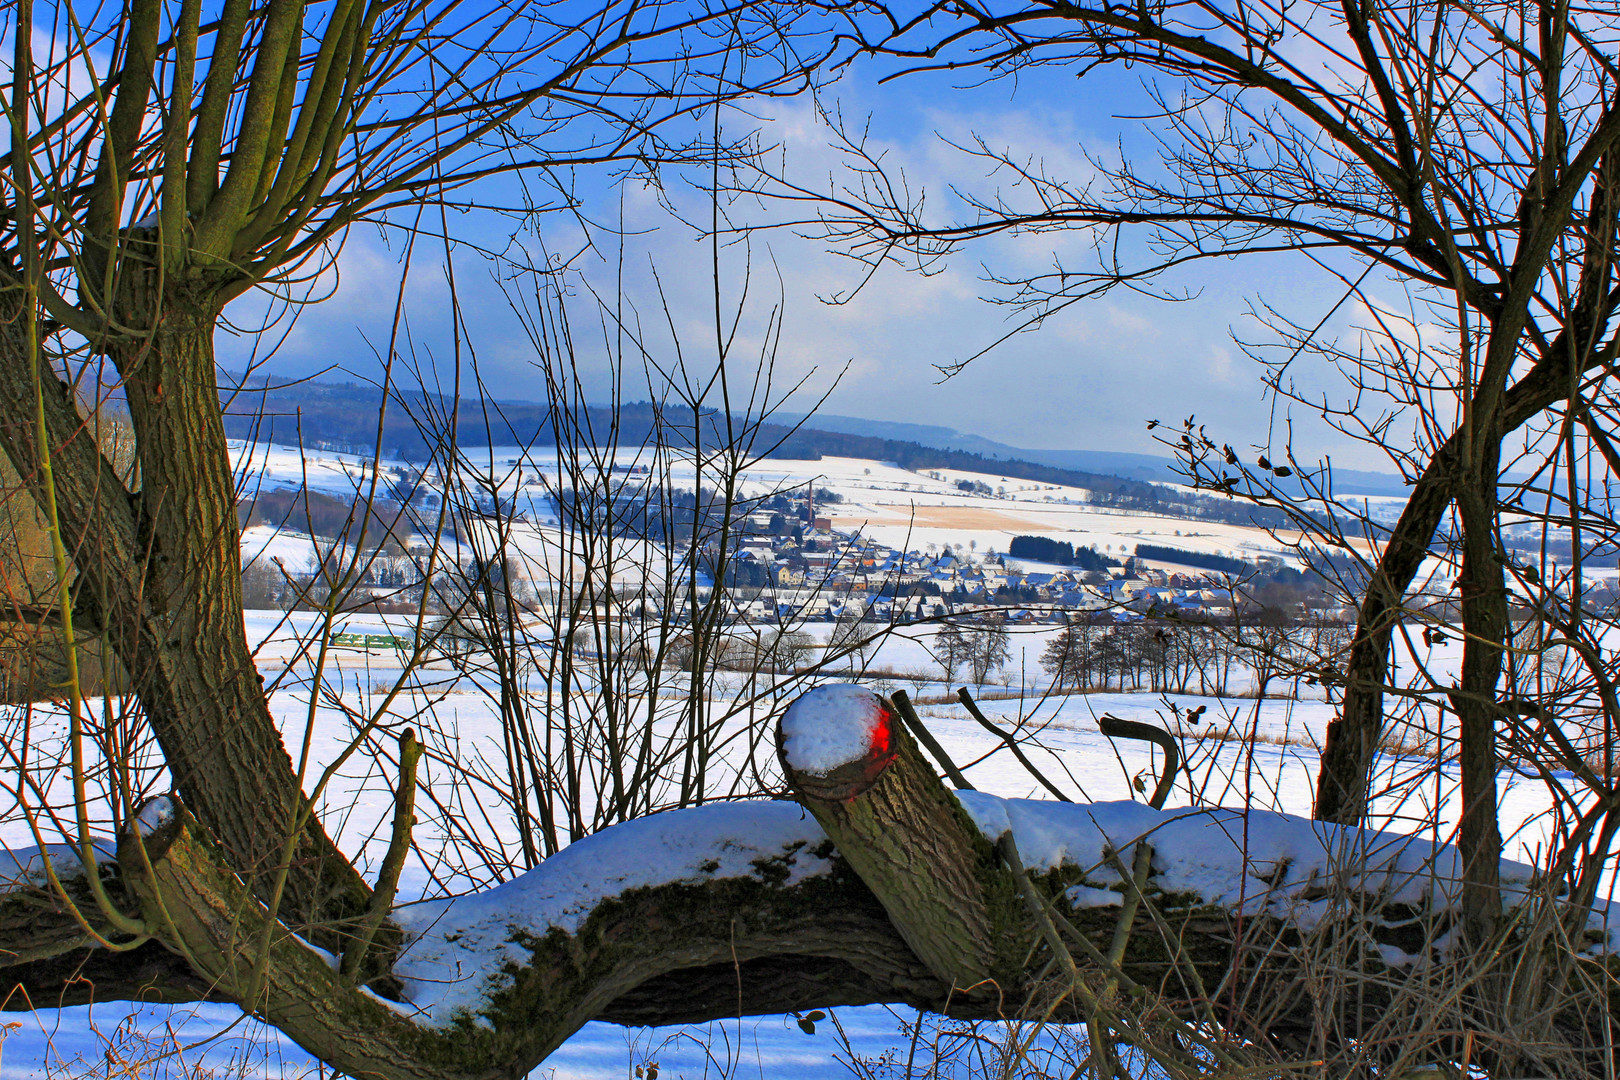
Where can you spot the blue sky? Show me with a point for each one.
(1089, 379)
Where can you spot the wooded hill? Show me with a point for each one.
(343, 417)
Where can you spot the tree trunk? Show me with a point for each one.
(911, 842)
(1485, 630)
(823, 939)
(1352, 738)
(194, 671)
(160, 577)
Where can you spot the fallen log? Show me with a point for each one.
(877, 885)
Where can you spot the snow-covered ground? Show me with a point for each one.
(1241, 752)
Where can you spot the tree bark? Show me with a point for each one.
(1351, 746)
(914, 846)
(160, 577)
(830, 923)
(1485, 631)
(193, 669)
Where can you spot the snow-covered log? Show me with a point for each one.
(493, 982)
(1264, 921)
(877, 885)
(49, 954)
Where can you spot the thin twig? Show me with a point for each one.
(399, 846)
(914, 724)
(1012, 744)
(1115, 728)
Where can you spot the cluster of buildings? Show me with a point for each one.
(819, 573)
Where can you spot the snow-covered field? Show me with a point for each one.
(1241, 752)
(903, 509)
(1274, 769)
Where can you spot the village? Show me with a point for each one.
(809, 548)
(821, 573)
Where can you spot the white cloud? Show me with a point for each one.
(1220, 366)
(1089, 379)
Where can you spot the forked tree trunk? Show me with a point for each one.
(1353, 736)
(160, 577)
(1351, 747)
(1345, 772)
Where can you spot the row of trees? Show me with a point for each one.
(975, 648)
(1180, 657)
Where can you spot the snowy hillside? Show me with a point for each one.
(897, 507)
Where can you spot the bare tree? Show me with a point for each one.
(233, 887)
(855, 636)
(1465, 153)
(1064, 659)
(212, 158)
(952, 647)
(989, 648)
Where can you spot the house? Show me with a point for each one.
(1154, 596)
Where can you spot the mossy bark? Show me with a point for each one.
(159, 581)
(916, 849)
(910, 867)
(827, 924)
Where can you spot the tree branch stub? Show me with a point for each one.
(903, 833)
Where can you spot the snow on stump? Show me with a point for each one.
(837, 740)
(852, 764)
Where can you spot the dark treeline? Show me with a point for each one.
(1061, 552)
(1323, 567)
(672, 514)
(343, 417)
(1201, 559)
(317, 514)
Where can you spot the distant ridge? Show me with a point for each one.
(1148, 467)
(343, 417)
